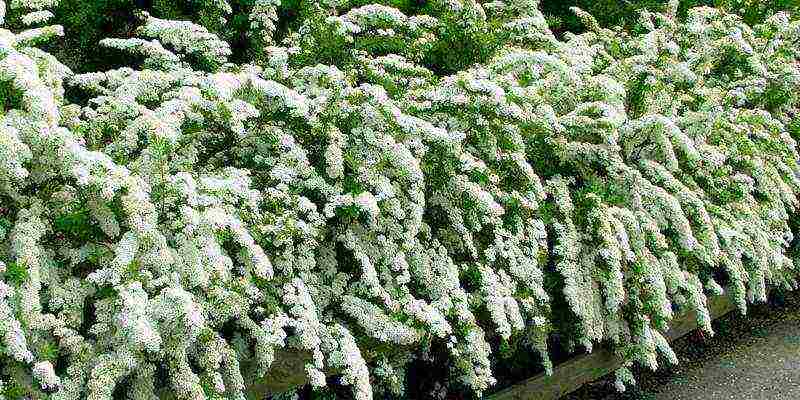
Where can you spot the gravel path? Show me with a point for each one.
(751, 358)
(761, 368)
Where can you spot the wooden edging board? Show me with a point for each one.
(578, 371)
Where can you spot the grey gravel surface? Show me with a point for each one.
(756, 357)
(761, 368)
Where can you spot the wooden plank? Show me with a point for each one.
(287, 370)
(580, 370)
(718, 306)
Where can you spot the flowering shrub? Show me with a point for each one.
(378, 178)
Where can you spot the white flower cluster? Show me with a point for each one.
(355, 194)
(186, 38)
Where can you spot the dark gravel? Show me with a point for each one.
(753, 357)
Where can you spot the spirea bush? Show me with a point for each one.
(376, 179)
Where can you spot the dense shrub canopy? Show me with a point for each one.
(626, 13)
(365, 181)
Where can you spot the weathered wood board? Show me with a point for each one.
(578, 371)
(288, 369)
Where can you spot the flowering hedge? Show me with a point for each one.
(376, 178)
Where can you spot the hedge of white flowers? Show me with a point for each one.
(378, 178)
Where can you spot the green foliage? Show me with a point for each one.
(16, 273)
(9, 98)
(626, 13)
(14, 391)
(48, 351)
(77, 225)
(608, 12)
